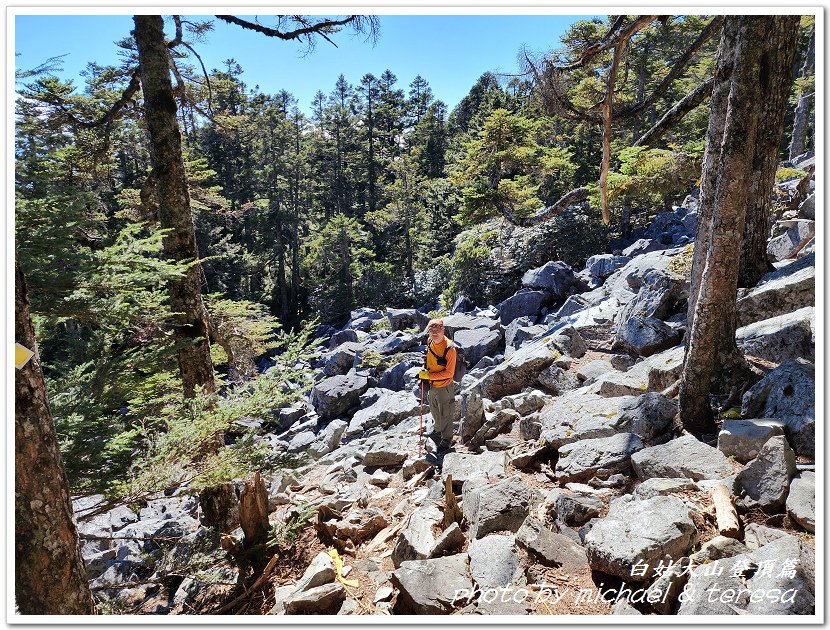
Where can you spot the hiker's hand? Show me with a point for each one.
(423, 375)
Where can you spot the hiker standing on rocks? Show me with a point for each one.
(438, 372)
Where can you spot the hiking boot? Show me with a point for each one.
(444, 446)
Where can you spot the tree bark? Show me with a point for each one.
(50, 578)
(774, 81)
(195, 364)
(253, 511)
(711, 340)
(802, 109)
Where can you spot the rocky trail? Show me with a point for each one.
(570, 490)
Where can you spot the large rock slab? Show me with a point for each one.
(801, 501)
(781, 338)
(525, 303)
(521, 370)
(494, 561)
(416, 541)
(777, 590)
(743, 439)
(389, 409)
(787, 394)
(342, 358)
(596, 457)
(464, 466)
(502, 506)
(640, 531)
(432, 587)
(582, 414)
(783, 291)
(466, 321)
(653, 374)
(479, 343)
(646, 336)
(795, 232)
(336, 395)
(603, 265)
(765, 481)
(556, 277)
(552, 548)
(685, 456)
(384, 450)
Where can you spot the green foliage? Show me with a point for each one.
(785, 173)
(283, 535)
(370, 359)
(468, 266)
(506, 166)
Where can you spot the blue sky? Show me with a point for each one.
(449, 51)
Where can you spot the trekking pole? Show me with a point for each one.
(421, 430)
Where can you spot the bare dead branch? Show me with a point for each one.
(676, 113)
(611, 39)
(568, 199)
(321, 27)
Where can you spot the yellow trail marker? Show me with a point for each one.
(21, 356)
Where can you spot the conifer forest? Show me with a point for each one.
(226, 294)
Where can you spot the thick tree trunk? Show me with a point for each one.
(798, 141)
(174, 213)
(253, 511)
(711, 339)
(50, 578)
(775, 81)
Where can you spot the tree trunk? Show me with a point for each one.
(195, 364)
(775, 81)
(802, 108)
(711, 340)
(253, 511)
(50, 578)
(220, 507)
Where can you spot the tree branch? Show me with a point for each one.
(608, 41)
(676, 113)
(568, 199)
(322, 27)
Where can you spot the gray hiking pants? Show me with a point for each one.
(442, 408)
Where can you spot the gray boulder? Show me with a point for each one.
(398, 341)
(794, 232)
(416, 541)
(329, 438)
(556, 277)
(602, 457)
(432, 587)
(520, 371)
(787, 394)
(472, 411)
(558, 381)
(340, 360)
(659, 486)
(783, 291)
(525, 303)
(780, 338)
(574, 304)
(342, 336)
(389, 409)
(573, 509)
(552, 548)
(754, 591)
(646, 336)
(462, 304)
(335, 395)
(479, 343)
(494, 561)
(502, 506)
(807, 208)
(765, 481)
(320, 600)
(466, 321)
(659, 293)
(603, 265)
(801, 501)
(653, 374)
(685, 456)
(591, 372)
(390, 451)
(743, 439)
(640, 531)
(404, 318)
(464, 466)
